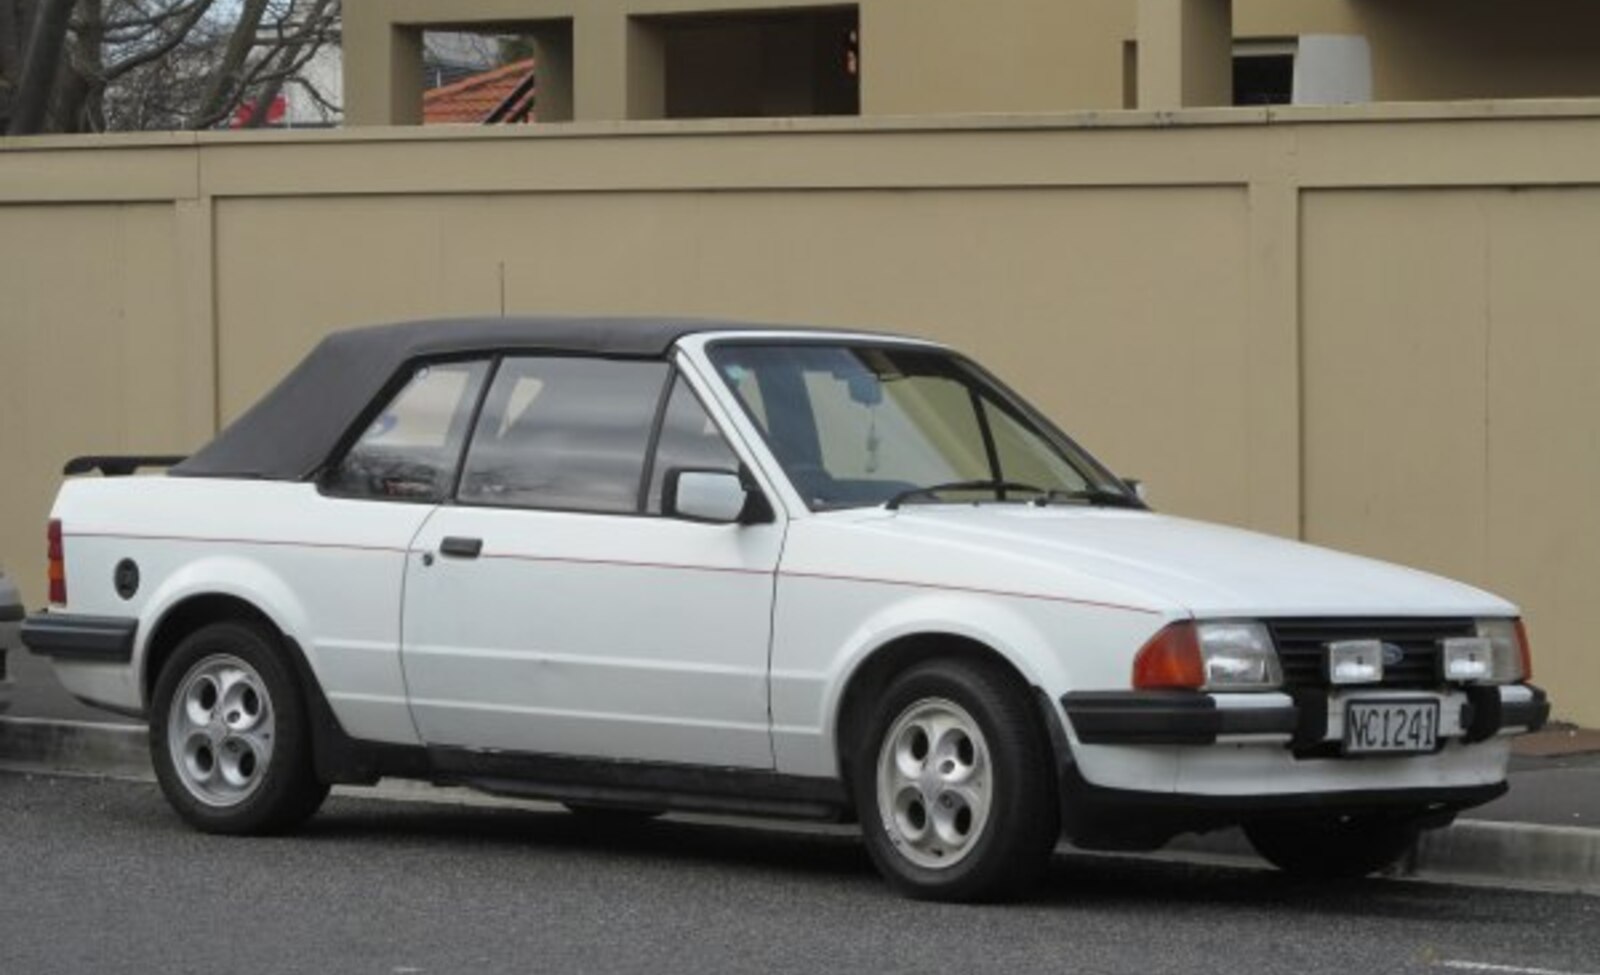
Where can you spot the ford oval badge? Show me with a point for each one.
(1393, 654)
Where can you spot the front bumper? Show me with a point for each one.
(1141, 768)
(1307, 721)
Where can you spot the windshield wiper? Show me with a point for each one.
(1099, 497)
(998, 487)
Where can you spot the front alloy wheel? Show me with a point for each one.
(934, 784)
(954, 781)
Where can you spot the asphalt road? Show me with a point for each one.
(99, 876)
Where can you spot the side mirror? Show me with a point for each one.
(1138, 488)
(714, 497)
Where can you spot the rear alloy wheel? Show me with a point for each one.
(1336, 847)
(955, 784)
(228, 735)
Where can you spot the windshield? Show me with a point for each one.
(860, 425)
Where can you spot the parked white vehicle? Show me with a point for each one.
(637, 566)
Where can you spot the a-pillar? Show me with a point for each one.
(1185, 53)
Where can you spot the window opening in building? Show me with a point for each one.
(748, 64)
(1263, 73)
(478, 78)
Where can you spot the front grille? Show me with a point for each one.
(1301, 646)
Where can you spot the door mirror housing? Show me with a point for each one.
(1138, 488)
(710, 496)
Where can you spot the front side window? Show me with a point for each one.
(857, 425)
(564, 433)
(689, 440)
(410, 450)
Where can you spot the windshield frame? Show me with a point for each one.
(983, 383)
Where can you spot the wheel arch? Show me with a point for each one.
(188, 615)
(876, 669)
(337, 757)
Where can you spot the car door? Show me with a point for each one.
(552, 609)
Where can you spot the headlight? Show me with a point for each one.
(1231, 655)
(1508, 659)
(1238, 656)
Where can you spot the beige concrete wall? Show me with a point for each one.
(1452, 376)
(97, 352)
(1366, 327)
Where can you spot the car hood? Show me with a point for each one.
(1174, 564)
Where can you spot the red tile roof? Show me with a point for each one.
(471, 99)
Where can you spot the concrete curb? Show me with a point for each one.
(44, 744)
(1472, 851)
(1563, 858)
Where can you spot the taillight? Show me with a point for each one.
(1170, 660)
(1525, 651)
(58, 565)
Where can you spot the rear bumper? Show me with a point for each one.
(90, 639)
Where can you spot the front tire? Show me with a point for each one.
(1336, 847)
(229, 737)
(955, 784)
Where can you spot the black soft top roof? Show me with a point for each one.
(295, 427)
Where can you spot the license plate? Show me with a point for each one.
(1390, 727)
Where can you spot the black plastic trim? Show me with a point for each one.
(119, 465)
(458, 547)
(653, 785)
(1531, 714)
(1123, 819)
(1168, 718)
(99, 639)
(340, 759)
(12, 613)
(1491, 712)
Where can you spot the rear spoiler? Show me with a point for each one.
(119, 466)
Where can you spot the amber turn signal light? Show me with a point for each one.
(1171, 659)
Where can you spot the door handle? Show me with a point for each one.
(461, 548)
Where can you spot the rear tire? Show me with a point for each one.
(229, 737)
(954, 783)
(1334, 848)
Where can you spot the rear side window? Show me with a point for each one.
(410, 450)
(564, 433)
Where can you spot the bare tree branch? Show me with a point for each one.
(167, 46)
(225, 80)
(291, 57)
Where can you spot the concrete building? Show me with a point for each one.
(652, 59)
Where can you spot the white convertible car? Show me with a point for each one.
(637, 566)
